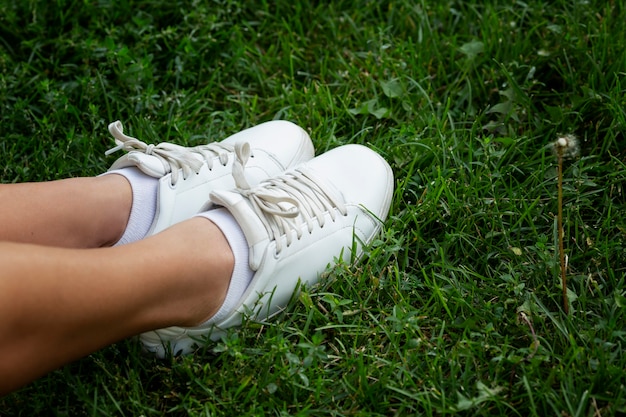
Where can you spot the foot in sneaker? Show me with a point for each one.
(296, 225)
(186, 176)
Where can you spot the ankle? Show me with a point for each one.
(207, 272)
(113, 192)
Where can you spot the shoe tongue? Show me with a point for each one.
(148, 164)
(252, 227)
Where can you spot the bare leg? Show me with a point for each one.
(75, 212)
(58, 304)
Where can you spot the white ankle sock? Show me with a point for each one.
(242, 274)
(144, 204)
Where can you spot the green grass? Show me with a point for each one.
(462, 98)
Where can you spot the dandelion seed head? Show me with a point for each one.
(567, 146)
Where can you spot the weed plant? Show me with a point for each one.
(457, 307)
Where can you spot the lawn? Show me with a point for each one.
(457, 307)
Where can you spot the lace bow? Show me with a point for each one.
(173, 157)
(286, 202)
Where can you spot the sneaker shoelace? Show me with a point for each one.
(285, 202)
(173, 157)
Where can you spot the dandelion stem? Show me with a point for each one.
(560, 229)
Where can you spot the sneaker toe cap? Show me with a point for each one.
(360, 174)
(284, 141)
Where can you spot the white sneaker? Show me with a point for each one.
(296, 225)
(188, 175)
